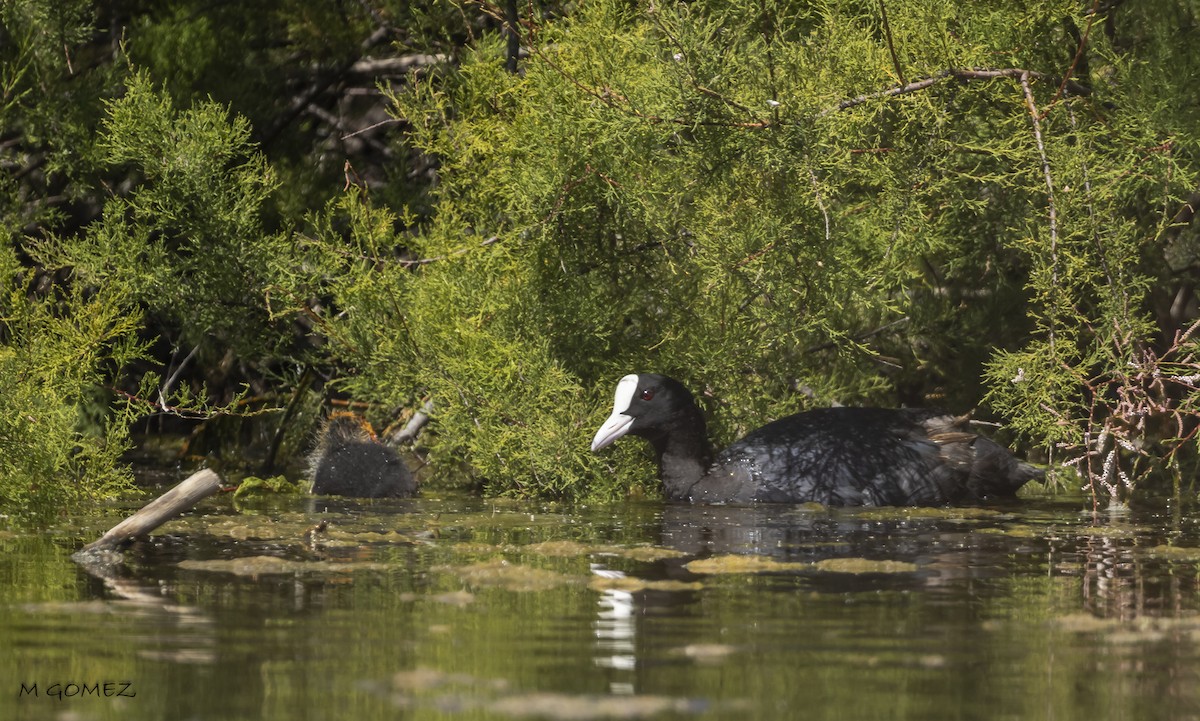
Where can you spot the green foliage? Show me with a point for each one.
(183, 251)
(714, 191)
(303, 74)
(187, 242)
(56, 354)
(51, 91)
(504, 402)
(782, 204)
(448, 328)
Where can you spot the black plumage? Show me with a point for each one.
(350, 461)
(834, 456)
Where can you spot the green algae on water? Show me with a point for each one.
(863, 565)
(736, 564)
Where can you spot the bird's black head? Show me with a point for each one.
(649, 405)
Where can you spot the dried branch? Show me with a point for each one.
(1091, 16)
(1035, 118)
(195, 488)
(859, 337)
(369, 128)
(952, 73)
(397, 66)
(619, 102)
(169, 383)
(335, 122)
(189, 413)
(408, 434)
(887, 33)
(1125, 409)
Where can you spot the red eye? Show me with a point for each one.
(648, 394)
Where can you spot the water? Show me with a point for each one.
(461, 608)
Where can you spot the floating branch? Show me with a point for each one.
(195, 488)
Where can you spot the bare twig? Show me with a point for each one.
(887, 33)
(381, 149)
(1035, 118)
(617, 101)
(1126, 407)
(728, 101)
(859, 336)
(374, 67)
(369, 128)
(165, 389)
(186, 413)
(1091, 16)
(817, 195)
(319, 86)
(952, 73)
(268, 464)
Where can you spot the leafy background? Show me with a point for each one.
(224, 219)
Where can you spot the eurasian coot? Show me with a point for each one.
(834, 456)
(350, 461)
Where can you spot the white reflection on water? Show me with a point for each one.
(615, 630)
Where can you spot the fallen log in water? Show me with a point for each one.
(195, 488)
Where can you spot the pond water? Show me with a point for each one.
(465, 608)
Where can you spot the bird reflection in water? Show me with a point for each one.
(615, 629)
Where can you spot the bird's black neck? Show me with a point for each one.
(684, 455)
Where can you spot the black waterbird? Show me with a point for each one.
(834, 456)
(350, 461)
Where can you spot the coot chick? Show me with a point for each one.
(350, 461)
(833, 456)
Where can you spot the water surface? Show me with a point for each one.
(462, 608)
